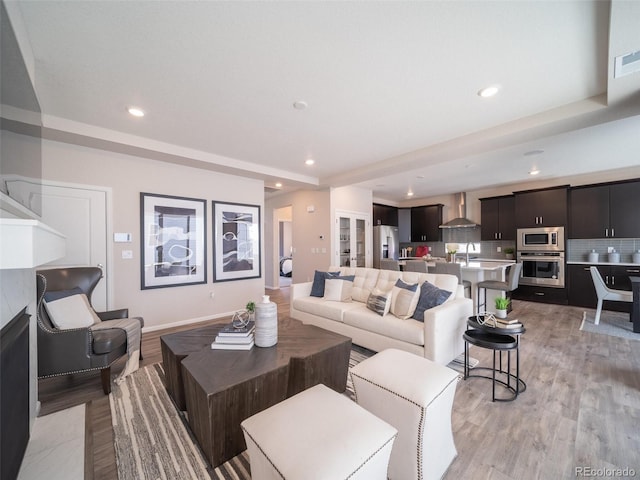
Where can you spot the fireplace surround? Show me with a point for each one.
(14, 394)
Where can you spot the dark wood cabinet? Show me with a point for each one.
(385, 215)
(541, 208)
(582, 293)
(498, 218)
(534, 293)
(425, 223)
(624, 213)
(605, 211)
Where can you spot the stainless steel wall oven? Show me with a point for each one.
(541, 252)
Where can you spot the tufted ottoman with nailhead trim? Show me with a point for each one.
(415, 395)
(318, 434)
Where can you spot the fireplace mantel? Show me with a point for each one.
(28, 243)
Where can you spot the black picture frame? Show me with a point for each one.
(173, 241)
(236, 241)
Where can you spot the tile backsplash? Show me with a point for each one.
(578, 249)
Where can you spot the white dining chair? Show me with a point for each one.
(606, 293)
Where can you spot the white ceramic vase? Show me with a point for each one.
(501, 313)
(266, 333)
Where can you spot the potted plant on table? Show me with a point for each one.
(502, 304)
(251, 310)
(508, 252)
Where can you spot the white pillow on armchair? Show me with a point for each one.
(71, 312)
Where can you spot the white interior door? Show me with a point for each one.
(81, 215)
(353, 240)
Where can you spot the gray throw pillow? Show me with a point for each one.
(430, 296)
(317, 289)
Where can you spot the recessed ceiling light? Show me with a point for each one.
(135, 111)
(300, 105)
(420, 176)
(309, 161)
(489, 91)
(534, 171)
(409, 193)
(278, 185)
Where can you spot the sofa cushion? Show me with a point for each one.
(404, 298)
(430, 296)
(338, 289)
(379, 302)
(317, 289)
(324, 308)
(363, 283)
(387, 279)
(410, 330)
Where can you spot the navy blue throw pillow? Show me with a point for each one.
(412, 287)
(317, 289)
(430, 296)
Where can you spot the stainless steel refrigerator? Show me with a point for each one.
(385, 243)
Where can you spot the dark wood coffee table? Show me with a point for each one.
(220, 388)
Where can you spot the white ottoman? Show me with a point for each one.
(318, 434)
(415, 395)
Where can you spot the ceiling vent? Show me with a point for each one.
(626, 64)
(461, 221)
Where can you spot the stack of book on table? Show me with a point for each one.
(232, 338)
(508, 323)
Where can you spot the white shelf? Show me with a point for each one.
(28, 243)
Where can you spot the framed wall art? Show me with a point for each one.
(236, 241)
(173, 233)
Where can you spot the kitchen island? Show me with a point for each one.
(479, 270)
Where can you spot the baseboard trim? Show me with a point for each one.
(187, 321)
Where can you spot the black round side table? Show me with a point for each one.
(499, 340)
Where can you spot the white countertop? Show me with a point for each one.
(486, 265)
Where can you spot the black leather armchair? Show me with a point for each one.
(62, 352)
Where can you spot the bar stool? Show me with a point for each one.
(453, 269)
(509, 286)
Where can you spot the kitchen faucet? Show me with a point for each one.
(467, 249)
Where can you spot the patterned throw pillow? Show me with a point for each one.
(430, 296)
(404, 298)
(317, 289)
(338, 289)
(379, 301)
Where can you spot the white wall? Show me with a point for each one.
(127, 176)
(307, 229)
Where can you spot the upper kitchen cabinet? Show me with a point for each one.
(498, 218)
(605, 211)
(404, 224)
(425, 223)
(385, 215)
(541, 208)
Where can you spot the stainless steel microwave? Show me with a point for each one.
(541, 239)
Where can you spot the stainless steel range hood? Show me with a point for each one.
(461, 221)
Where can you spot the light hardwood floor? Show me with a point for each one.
(581, 408)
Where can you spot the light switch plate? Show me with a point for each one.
(127, 254)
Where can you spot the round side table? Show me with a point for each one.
(499, 340)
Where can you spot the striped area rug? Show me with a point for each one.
(153, 440)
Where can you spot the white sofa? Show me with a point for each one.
(438, 338)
